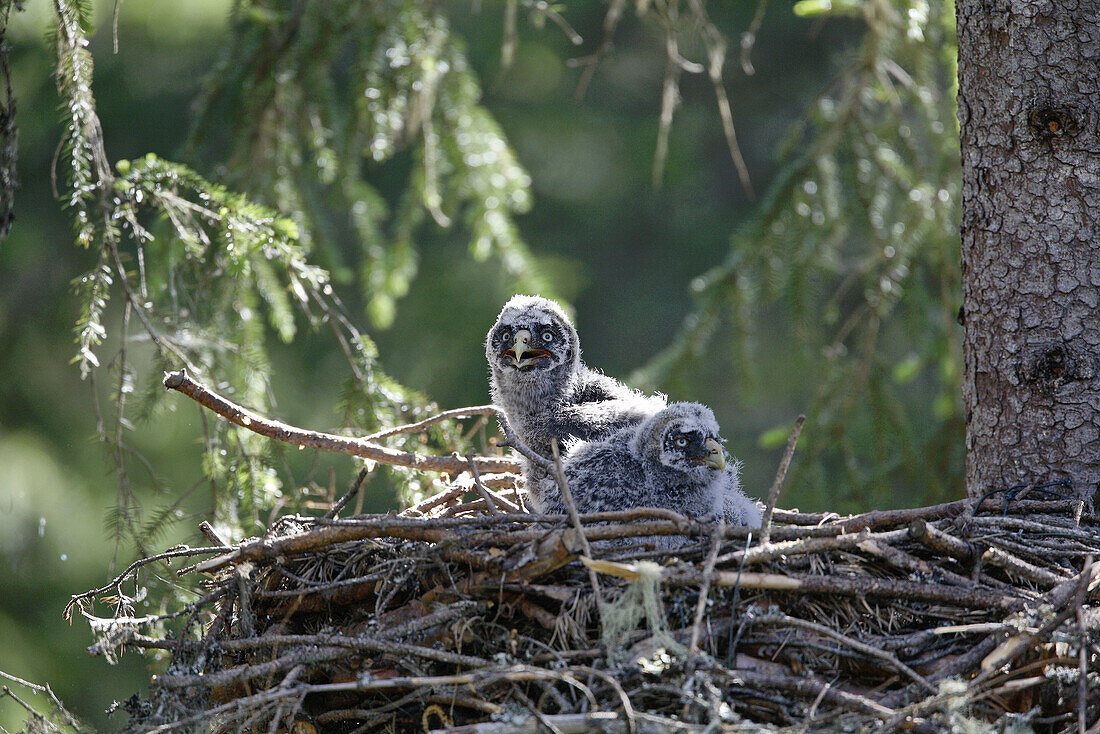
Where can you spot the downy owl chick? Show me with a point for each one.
(544, 389)
(674, 460)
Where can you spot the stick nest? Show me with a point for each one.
(935, 619)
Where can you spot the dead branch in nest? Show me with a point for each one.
(602, 721)
(361, 447)
(622, 524)
(826, 585)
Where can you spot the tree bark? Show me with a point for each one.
(1029, 85)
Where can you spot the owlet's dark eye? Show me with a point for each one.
(681, 442)
(547, 336)
(505, 334)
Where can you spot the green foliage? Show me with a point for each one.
(854, 256)
(327, 98)
(208, 272)
(82, 146)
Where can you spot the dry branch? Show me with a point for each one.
(828, 585)
(363, 448)
(780, 475)
(941, 542)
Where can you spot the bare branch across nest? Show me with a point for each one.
(365, 448)
(486, 623)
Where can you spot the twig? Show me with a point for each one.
(245, 618)
(906, 562)
(433, 529)
(212, 535)
(780, 475)
(829, 585)
(138, 305)
(610, 23)
(715, 44)
(20, 681)
(806, 687)
(465, 509)
(311, 649)
(511, 439)
(1016, 645)
(1020, 567)
(567, 498)
(701, 604)
(1068, 589)
(533, 708)
(700, 610)
(612, 525)
(812, 712)
(44, 723)
(888, 657)
(509, 39)
(748, 38)
(76, 599)
(480, 506)
(327, 532)
(455, 413)
(473, 678)
(731, 653)
(490, 500)
(245, 418)
(939, 541)
(460, 486)
(670, 93)
(890, 518)
(506, 504)
(376, 715)
(350, 494)
(802, 546)
(602, 721)
(436, 618)
(547, 10)
(1016, 523)
(628, 708)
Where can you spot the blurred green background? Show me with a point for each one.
(627, 255)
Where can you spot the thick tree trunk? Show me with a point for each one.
(1029, 89)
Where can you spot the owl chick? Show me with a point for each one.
(546, 392)
(673, 460)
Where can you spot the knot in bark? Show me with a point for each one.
(1050, 121)
(1051, 366)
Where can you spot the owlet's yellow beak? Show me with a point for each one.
(717, 457)
(521, 345)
